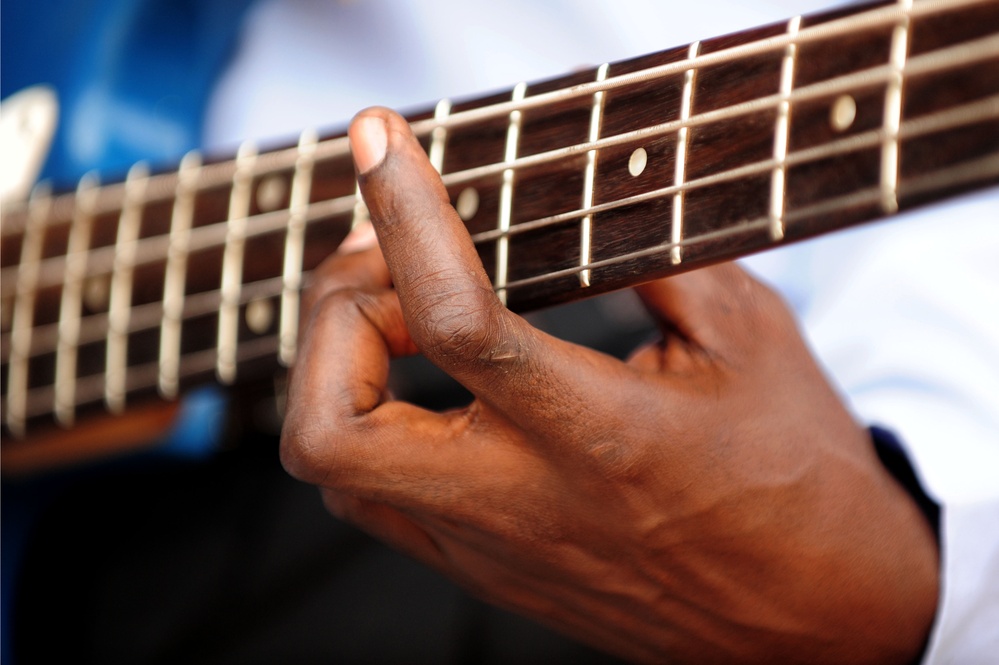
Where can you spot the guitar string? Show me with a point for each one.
(95, 324)
(765, 103)
(219, 174)
(148, 315)
(151, 249)
(141, 377)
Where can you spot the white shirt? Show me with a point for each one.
(904, 314)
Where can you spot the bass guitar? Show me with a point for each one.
(120, 295)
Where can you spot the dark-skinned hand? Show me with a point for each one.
(710, 500)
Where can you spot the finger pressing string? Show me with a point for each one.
(454, 316)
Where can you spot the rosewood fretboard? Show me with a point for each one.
(570, 187)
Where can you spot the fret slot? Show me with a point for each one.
(811, 183)
(614, 180)
(893, 112)
(845, 54)
(556, 125)
(549, 191)
(23, 316)
(271, 192)
(812, 127)
(544, 250)
(478, 145)
(294, 246)
(586, 226)
(240, 203)
(929, 93)
(729, 144)
(682, 150)
(742, 80)
(71, 305)
(120, 306)
(332, 178)
(939, 150)
(957, 25)
(211, 206)
(438, 137)
(488, 190)
(175, 278)
(506, 196)
(781, 130)
(726, 205)
(646, 103)
(630, 228)
(322, 236)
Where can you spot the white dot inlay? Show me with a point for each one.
(97, 292)
(468, 203)
(637, 162)
(843, 113)
(259, 316)
(271, 193)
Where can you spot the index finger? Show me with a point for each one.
(451, 310)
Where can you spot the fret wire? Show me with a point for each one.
(928, 63)
(151, 249)
(893, 111)
(958, 116)
(872, 18)
(586, 225)
(294, 246)
(120, 304)
(912, 128)
(176, 274)
(71, 302)
(686, 105)
(506, 196)
(986, 167)
(781, 131)
(22, 324)
(219, 174)
(232, 263)
(37, 398)
(438, 137)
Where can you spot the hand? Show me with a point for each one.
(709, 500)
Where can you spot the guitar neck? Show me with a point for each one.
(570, 187)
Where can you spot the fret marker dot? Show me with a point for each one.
(843, 113)
(637, 162)
(97, 293)
(271, 193)
(468, 203)
(259, 316)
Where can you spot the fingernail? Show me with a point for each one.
(360, 238)
(368, 142)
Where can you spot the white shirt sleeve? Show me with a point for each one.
(905, 317)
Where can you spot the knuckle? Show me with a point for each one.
(461, 325)
(304, 449)
(762, 310)
(310, 449)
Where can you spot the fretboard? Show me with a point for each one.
(570, 187)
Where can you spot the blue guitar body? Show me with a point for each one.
(132, 79)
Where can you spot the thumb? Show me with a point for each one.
(715, 308)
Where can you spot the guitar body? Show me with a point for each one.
(110, 101)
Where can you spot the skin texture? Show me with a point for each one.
(710, 500)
